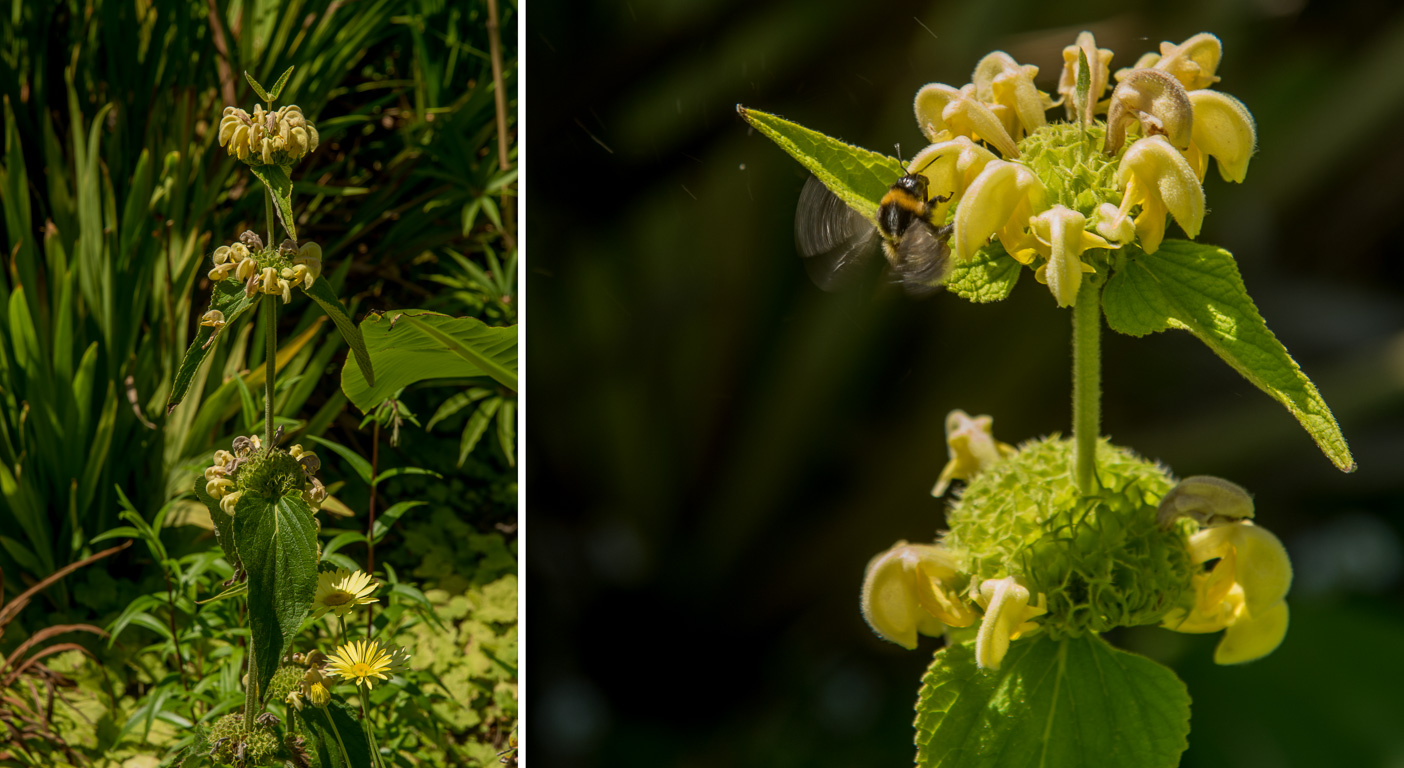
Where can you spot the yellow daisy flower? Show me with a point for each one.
(341, 591)
(362, 660)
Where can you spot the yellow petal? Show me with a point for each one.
(889, 601)
(1192, 62)
(1253, 637)
(971, 446)
(1001, 190)
(1158, 177)
(943, 112)
(1062, 230)
(999, 79)
(1224, 129)
(1098, 62)
(1263, 567)
(1155, 100)
(1005, 601)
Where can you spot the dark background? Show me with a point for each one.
(716, 447)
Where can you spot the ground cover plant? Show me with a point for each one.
(133, 356)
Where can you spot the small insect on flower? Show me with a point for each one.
(836, 241)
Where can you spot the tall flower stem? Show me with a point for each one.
(370, 732)
(1087, 382)
(270, 319)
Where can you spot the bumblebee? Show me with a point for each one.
(837, 242)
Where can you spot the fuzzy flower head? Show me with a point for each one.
(363, 662)
(267, 138)
(340, 591)
(271, 271)
(1061, 195)
(1027, 552)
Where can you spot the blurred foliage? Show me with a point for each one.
(721, 447)
(113, 194)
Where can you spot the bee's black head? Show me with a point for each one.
(914, 184)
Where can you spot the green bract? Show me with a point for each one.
(1099, 561)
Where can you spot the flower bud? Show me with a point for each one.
(251, 239)
(1155, 100)
(1206, 500)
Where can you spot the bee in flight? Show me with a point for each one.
(837, 242)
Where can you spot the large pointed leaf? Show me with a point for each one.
(227, 297)
(1197, 288)
(1052, 703)
(275, 178)
(858, 176)
(277, 541)
(409, 346)
(321, 293)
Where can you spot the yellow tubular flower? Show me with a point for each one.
(1147, 61)
(1110, 224)
(220, 272)
(906, 591)
(1099, 64)
(222, 457)
(944, 112)
(214, 319)
(1007, 616)
(219, 486)
(1244, 593)
(361, 661)
(246, 269)
(950, 166)
(1159, 179)
(999, 79)
(221, 255)
(1155, 100)
(1060, 230)
(229, 502)
(268, 279)
(1192, 62)
(1224, 129)
(972, 448)
(1001, 200)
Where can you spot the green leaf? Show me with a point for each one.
(242, 588)
(1052, 703)
(321, 293)
(227, 297)
(858, 176)
(476, 426)
(223, 524)
(357, 462)
(323, 725)
(410, 346)
(278, 87)
(1197, 288)
(989, 276)
(258, 89)
(507, 431)
(275, 178)
(386, 519)
(277, 541)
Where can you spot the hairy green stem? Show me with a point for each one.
(337, 732)
(370, 732)
(251, 696)
(1087, 383)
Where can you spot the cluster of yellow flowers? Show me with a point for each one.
(913, 589)
(267, 138)
(1045, 200)
(260, 271)
(219, 478)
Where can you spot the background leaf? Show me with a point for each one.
(1197, 288)
(1057, 704)
(321, 293)
(277, 541)
(322, 744)
(858, 176)
(424, 345)
(227, 297)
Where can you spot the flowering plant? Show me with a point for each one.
(1056, 541)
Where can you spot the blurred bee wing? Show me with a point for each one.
(835, 241)
(923, 259)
